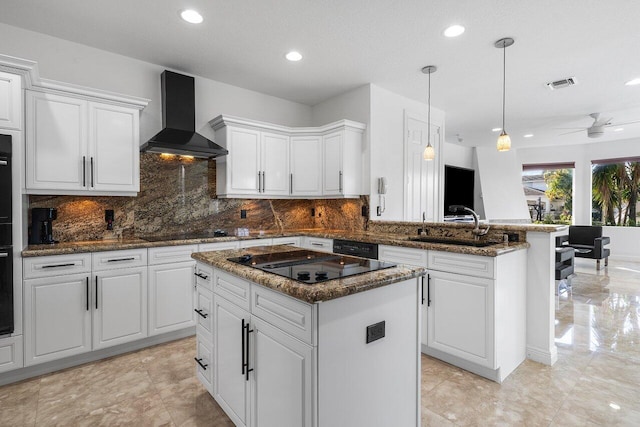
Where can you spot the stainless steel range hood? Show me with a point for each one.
(178, 135)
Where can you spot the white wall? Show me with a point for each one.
(353, 105)
(458, 155)
(86, 66)
(387, 146)
(623, 239)
(501, 183)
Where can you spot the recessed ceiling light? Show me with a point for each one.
(454, 31)
(191, 16)
(529, 135)
(496, 129)
(633, 82)
(293, 56)
(618, 129)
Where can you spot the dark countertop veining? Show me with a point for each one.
(318, 292)
(371, 237)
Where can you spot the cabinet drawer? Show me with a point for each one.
(168, 254)
(204, 276)
(56, 265)
(254, 242)
(218, 246)
(470, 265)
(318, 244)
(402, 255)
(290, 315)
(232, 288)
(119, 259)
(289, 241)
(11, 353)
(204, 362)
(204, 311)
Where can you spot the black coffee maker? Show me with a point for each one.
(42, 226)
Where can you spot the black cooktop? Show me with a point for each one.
(311, 267)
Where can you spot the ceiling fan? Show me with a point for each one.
(597, 128)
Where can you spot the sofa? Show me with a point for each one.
(588, 242)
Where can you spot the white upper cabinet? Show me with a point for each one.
(342, 163)
(114, 143)
(275, 164)
(306, 166)
(56, 138)
(272, 161)
(10, 101)
(76, 145)
(257, 164)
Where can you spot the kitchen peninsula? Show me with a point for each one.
(335, 352)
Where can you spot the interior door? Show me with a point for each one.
(421, 185)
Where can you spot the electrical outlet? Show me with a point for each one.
(243, 213)
(313, 211)
(378, 211)
(365, 211)
(375, 331)
(514, 237)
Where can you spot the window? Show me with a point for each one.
(615, 191)
(548, 189)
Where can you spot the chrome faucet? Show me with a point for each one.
(477, 231)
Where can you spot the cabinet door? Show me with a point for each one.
(460, 317)
(10, 101)
(120, 306)
(171, 295)
(57, 317)
(230, 387)
(283, 381)
(114, 148)
(306, 166)
(332, 160)
(243, 162)
(56, 136)
(275, 164)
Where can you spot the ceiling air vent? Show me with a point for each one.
(559, 84)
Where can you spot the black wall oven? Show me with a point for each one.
(6, 252)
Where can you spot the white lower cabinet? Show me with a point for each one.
(171, 297)
(57, 317)
(317, 244)
(11, 353)
(282, 378)
(262, 376)
(460, 317)
(231, 383)
(204, 360)
(120, 310)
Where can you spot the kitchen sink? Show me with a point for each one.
(474, 243)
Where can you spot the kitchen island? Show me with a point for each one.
(274, 351)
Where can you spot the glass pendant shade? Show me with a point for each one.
(504, 142)
(429, 153)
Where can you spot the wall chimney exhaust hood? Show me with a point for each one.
(178, 135)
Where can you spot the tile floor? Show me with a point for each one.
(595, 382)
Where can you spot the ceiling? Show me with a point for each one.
(346, 44)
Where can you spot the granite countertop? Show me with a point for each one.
(380, 238)
(324, 291)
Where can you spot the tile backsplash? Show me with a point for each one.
(178, 195)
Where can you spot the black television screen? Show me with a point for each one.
(458, 187)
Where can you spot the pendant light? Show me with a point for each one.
(504, 141)
(429, 153)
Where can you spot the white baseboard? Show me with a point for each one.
(92, 356)
(543, 356)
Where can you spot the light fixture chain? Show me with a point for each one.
(429, 113)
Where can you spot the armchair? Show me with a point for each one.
(588, 242)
